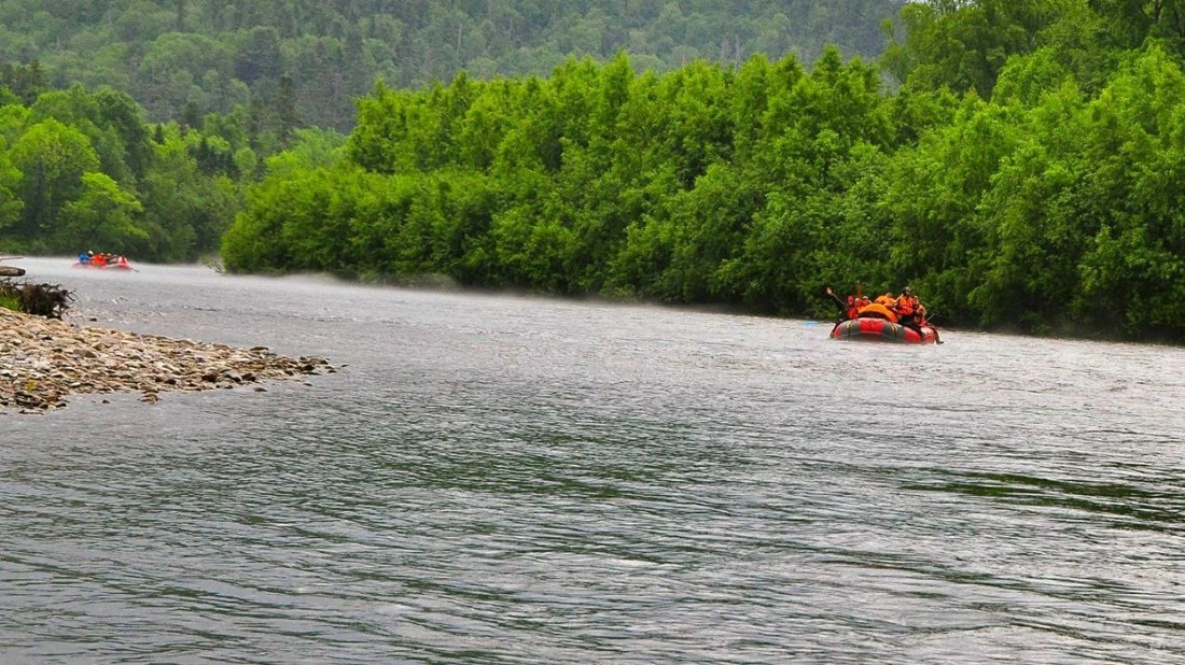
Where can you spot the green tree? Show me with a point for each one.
(286, 113)
(965, 45)
(11, 204)
(102, 216)
(27, 82)
(185, 212)
(52, 159)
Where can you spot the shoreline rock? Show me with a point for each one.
(43, 361)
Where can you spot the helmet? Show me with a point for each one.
(908, 291)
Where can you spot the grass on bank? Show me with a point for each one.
(9, 298)
(49, 300)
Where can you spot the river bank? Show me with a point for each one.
(44, 361)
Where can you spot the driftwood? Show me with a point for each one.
(48, 300)
(10, 271)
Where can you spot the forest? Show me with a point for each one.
(1022, 173)
(195, 57)
(138, 125)
(1016, 162)
(84, 170)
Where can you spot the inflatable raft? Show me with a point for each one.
(877, 323)
(875, 329)
(119, 264)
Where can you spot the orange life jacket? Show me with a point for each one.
(905, 305)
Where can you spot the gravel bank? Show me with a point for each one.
(43, 361)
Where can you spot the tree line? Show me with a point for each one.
(203, 56)
(1015, 161)
(82, 170)
(1022, 173)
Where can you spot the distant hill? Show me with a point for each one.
(186, 58)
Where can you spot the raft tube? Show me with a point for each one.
(876, 329)
(122, 265)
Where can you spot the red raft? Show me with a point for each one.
(876, 329)
(118, 264)
(877, 323)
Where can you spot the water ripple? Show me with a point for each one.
(513, 480)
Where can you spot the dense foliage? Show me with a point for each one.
(83, 170)
(1023, 174)
(1016, 161)
(181, 57)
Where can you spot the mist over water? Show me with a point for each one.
(516, 480)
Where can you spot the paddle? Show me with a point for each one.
(928, 321)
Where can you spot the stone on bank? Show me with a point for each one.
(43, 361)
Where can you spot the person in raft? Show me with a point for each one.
(911, 312)
(847, 309)
(84, 257)
(906, 309)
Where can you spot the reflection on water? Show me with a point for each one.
(501, 480)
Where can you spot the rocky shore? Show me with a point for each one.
(44, 361)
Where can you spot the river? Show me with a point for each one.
(497, 479)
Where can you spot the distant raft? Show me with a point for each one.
(112, 263)
(878, 329)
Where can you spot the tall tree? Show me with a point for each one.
(52, 159)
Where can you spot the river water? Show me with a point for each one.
(495, 479)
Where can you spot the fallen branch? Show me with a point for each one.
(48, 300)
